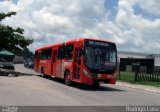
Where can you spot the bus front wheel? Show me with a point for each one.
(96, 85)
(67, 79)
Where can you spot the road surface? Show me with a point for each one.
(33, 90)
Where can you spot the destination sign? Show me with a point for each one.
(97, 43)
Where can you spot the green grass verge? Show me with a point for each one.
(129, 77)
(126, 76)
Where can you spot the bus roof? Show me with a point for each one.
(82, 39)
(72, 41)
(50, 46)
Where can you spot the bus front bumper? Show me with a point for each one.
(100, 78)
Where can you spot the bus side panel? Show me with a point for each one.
(85, 79)
(35, 65)
(59, 68)
(56, 68)
(41, 65)
(36, 62)
(47, 67)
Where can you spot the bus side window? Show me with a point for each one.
(69, 51)
(46, 54)
(54, 56)
(80, 54)
(41, 55)
(61, 52)
(36, 54)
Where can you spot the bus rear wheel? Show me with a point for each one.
(67, 79)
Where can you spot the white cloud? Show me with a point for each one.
(151, 6)
(139, 32)
(50, 21)
(53, 21)
(6, 6)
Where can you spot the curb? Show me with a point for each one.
(143, 87)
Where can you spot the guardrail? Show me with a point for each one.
(147, 75)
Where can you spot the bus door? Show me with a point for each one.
(53, 63)
(77, 63)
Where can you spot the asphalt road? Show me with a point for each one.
(33, 90)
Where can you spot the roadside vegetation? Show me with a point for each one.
(12, 39)
(129, 77)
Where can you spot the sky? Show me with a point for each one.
(134, 25)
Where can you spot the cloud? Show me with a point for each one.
(141, 34)
(150, 6)
(6, 6)
(55, 21)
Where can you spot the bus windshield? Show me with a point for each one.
(100, 57)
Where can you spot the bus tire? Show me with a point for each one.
(96, 85)
(67, 79)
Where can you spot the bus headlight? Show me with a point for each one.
(86, 73)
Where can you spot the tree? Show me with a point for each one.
(12, 39)
(27, 54)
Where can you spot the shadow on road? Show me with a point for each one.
(15, 74)
(84, 86)
(91, 88)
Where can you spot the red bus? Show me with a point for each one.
(83, 60)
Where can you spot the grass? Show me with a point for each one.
(126, 76)
(156, 84)
(130, 76)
